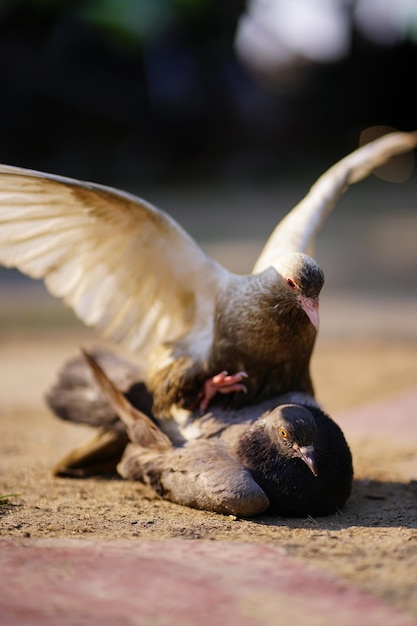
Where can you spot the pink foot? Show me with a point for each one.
(221, 383)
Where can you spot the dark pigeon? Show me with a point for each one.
(284, 456)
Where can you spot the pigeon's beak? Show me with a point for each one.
(310, 307)
(306, 454)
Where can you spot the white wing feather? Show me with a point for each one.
(297, 231)
(125, 267)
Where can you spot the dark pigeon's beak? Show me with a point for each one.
(306, 454)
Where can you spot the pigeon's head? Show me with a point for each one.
(291, 429)
(303, 279)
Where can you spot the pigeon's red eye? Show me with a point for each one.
(290, 282)
(282, 433)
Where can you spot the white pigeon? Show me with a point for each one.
(129, 270)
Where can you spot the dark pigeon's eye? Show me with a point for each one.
(290, 283)
(282, 433)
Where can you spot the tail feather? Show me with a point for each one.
(140, 428)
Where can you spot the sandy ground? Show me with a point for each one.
(372, 544)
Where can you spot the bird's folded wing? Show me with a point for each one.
(202, 474)
(76, 395)
(298, 229)
(124, 266)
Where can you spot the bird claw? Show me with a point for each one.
(221, 383)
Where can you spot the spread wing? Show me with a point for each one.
(297, 231)
(125, 267)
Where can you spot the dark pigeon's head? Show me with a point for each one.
(294, 429)
(287, 431)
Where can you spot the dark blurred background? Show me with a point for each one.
(135, 92)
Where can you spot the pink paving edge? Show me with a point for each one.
(395, 417)
(174, 582)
